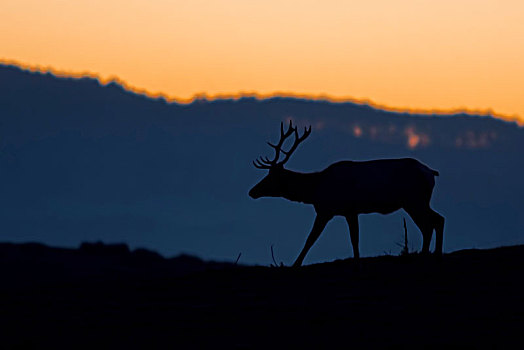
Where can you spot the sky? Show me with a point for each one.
(419, 55)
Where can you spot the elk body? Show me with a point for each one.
(350, 188)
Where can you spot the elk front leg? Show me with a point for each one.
(352, 221)
(318, 227)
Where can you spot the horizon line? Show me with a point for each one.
(35, 68)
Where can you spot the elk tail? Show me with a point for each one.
(430, 175)
(429, 171)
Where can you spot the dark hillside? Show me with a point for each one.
(81, 161)
(108, 296)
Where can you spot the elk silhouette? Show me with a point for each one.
(350, 188)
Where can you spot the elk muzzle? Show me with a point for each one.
(254, 193)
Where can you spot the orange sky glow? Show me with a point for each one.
(416, 55)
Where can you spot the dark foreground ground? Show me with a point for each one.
(105, 296)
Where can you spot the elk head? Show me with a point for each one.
(276, 181)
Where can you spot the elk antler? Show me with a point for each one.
(265, 163)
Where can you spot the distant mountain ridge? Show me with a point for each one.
(81, 161)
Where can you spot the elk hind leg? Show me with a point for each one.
(423, 220)
(438, 224)
(352, 221)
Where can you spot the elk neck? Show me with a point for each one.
(300, 187)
